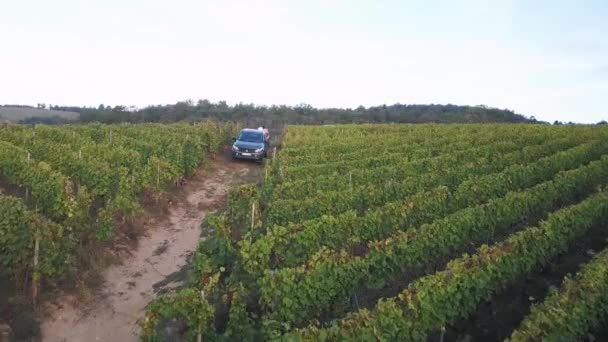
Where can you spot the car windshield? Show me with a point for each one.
(251, 136)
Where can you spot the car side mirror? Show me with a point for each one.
(233, 139)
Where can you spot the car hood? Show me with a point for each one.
(248, 145)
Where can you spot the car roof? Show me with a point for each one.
(250, 130)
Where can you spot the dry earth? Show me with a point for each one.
(114, 313)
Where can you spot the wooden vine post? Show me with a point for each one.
(78, 184)
(27, 189)
(252, 215)
(199, 336)
(36, 274)
(157, 196)
(158, 175)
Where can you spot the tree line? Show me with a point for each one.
(276, 115)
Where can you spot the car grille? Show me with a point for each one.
(247, 150)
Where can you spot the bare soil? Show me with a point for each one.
(156, 265)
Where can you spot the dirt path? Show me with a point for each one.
(152, 268)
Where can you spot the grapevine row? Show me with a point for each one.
(568, 314)
(70, 184)
(50, 192)
(434, 301)
(408, 147)
(315, 144)
(301, 293)
(448, 170)
(381, 175)
(296, 243)
(409, 153)
(314, 150)
(20, 228)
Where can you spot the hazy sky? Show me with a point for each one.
(542, 58)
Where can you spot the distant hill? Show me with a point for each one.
(26, 114)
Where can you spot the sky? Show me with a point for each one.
(543, 58)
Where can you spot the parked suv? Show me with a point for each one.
(251, 144)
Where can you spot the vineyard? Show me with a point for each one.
(63, 187)
(393, 233)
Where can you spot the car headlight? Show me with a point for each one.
(234, 148)
(259, 150)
